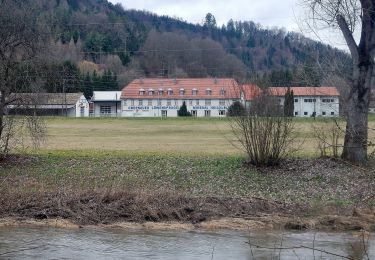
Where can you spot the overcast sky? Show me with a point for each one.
(269, 13)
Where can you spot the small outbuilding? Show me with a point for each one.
(49, 104)
(105, 103)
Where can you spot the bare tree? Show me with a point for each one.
(19, 43)
(349, 15)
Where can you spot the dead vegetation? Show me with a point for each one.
(106, 207)
(87, 190)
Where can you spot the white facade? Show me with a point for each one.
(169, 107)
(106, 103)
(81, 108)
(308, 106)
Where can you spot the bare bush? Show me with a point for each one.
(264, 133)
(329, 136)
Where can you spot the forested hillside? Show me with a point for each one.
(95, 45)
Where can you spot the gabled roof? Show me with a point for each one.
(305, 91)
(187, 84)
(45, 98)
(106, 96)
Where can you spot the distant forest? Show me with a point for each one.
(95, 45)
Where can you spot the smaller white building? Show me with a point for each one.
(49, 104)
(105, 103)
(311, 101)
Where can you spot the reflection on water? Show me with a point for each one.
(49, 243)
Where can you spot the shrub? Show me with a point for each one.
(264, 133)
(183, 110)
(236, 109)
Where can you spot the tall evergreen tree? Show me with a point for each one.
(289, 103)
(87, 86)
(96, 81)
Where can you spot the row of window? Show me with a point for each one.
(313, 114)
(313, 100)
(182, 92)
(207, 113)
(169, 102)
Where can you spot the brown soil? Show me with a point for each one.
(176, 211)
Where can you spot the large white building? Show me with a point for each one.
(204, 97)
(311, 101)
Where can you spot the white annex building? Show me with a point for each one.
(311, 101)
(105, 103)
(154, 97)
(49, 104)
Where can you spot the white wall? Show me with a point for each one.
(82, 102)
(135, 108)
(319, 107)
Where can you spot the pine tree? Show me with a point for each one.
(289, 103)
(236, 109)
(87, 86)
(183, 110)
(96, 81)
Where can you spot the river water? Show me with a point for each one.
(51, 243)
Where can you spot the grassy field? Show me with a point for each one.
(301, 181)
(102, 170)
(191, 136)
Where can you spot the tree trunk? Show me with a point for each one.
(356, 136)
(2, 112)
(355, 144)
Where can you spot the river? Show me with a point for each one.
(52, 243)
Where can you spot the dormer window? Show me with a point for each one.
(160, 91)
(169, 92)
(194, 92)
(182, 91)
(222, 92)
(150, 92)
(141, 92)
(208, 92)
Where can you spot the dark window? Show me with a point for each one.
(105, 109)
(221, 112)
(305, 113)
(323, 113)
(332, 113)
(296, 100)
(296, 113)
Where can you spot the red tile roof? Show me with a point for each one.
(306, 91)
(229, 85)
(251, 91)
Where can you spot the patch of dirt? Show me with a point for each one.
(14, 160)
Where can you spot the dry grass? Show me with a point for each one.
(172, 135)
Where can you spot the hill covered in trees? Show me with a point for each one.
(94, 44)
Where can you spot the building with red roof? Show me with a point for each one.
(163, 97)
(153, 97)
(311, 101)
